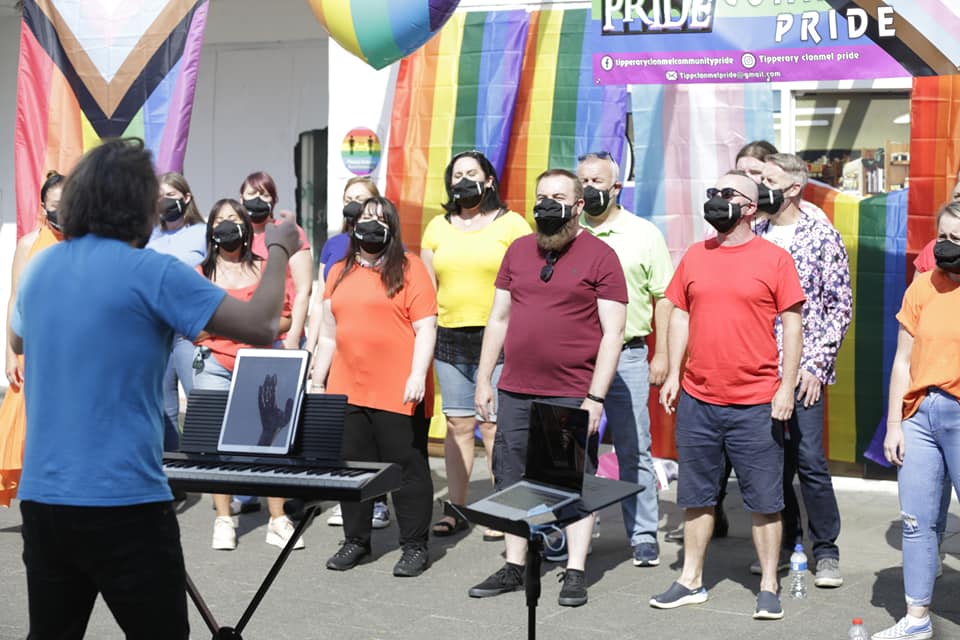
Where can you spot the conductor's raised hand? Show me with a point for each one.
(285, 233)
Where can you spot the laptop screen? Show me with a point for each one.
(263, 406)
(558, 446)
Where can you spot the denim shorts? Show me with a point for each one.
(751, 439)
(458, 382)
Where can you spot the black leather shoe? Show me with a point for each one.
(349, 555)
(413, 562)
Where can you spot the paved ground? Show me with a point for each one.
(307, 601)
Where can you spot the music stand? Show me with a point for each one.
(597, 494)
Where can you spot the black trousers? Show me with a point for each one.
(130, 555)
(383, 436)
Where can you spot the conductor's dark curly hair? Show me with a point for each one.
(111, 193)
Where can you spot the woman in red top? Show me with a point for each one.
(375, 346)
(232, 265)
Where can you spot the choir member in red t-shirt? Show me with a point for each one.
(727, 292)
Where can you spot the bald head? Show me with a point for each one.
(741, 182)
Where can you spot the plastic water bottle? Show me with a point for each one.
(798, 573)
(857, 631)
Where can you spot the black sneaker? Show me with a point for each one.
(413, 562)
(349, 555)
(574, 591)
(508, 578)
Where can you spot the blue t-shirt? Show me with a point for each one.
(334, 250)
(97, 318)
(187, 244)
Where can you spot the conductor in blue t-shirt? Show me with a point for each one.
(95, 317)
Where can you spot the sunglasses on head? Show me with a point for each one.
(547, 271)
(603, 155)
(726, 193)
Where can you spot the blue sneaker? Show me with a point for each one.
(678, 595)
(905, 630)
(768, 606)
(646, 554)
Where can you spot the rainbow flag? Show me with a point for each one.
(92, 70)
(516, 86)
(561, 113)
(874, 233)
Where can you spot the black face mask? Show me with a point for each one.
(372, 235)
(352, 211)
(595, 201)
(769, 200)
(721, 214)
(947, 255)
(228, 235)
(258, 209)
(172, 209)
(468, 193)
(551, 215)
(52, 219)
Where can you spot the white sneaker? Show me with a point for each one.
(224, 534)
(336, 517)
(279, 531)
(381, 515)
(906, 630)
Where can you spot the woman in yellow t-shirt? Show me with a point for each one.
(462, 250)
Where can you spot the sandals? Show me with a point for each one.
(445, 528)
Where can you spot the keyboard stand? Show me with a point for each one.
(597, 494)
(311, 510)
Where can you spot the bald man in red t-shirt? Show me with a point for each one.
(727, 293)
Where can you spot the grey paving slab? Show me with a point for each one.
(368, 603)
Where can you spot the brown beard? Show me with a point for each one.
(560, 239)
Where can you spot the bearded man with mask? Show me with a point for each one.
(823, 266)
(558, 314)
(727, 292)
(647, 268)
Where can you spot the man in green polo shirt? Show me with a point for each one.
(648, 268)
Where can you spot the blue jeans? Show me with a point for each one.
(803, 455)
(179, 368)
(932, 450)
(213, 376)
(629, 423)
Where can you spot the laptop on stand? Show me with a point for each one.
(559, 452)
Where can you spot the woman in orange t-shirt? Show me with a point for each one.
(375, 346)
(13, 417)
(923, 424)
(232, 265)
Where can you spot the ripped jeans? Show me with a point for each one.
(932, 449)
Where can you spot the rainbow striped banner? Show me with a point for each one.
(91, 70)
(561, 113)
(455, 94)
(874, 232)
(512, 84)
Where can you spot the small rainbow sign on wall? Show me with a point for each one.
(360, 151)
